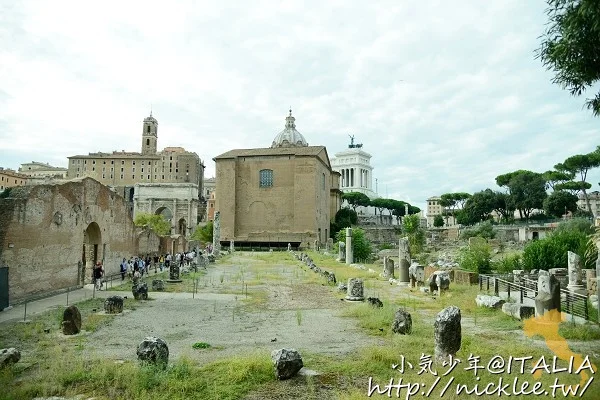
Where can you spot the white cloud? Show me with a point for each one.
(445, 96)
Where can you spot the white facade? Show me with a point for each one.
(354, 165)
(177, 202)
(41, 173)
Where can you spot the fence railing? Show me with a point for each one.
(572, 303)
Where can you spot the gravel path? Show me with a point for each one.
(301, 316)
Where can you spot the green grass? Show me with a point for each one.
(62, 369)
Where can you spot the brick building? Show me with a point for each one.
(287, 193)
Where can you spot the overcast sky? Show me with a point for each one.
(445, 95)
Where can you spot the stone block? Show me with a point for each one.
(153, 350)
(71, 323)
(287, 363)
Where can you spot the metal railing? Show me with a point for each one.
(572, 303)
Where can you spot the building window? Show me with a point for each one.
(148, 129)
(266, 178)
(122, 162)
(112, 162)
(148, 141)
(323, 181)
(148, 177)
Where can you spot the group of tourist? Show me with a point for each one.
(136, 267)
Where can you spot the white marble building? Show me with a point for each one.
(177, 202)
(354, 164)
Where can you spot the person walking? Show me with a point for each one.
(123, 269)
(98, 274)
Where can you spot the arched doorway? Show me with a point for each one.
(166, 213)
(92, 238)
(182, 227)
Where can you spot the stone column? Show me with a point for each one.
(217, 234)
(342, 252)
(349, 252)
(403, 261)
(231, 246)
(575, 284)
(388, 267)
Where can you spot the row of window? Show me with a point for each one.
(16, 180)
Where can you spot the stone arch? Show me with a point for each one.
(182, 227)
(92, 238)
(165, 212)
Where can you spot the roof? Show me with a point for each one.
(272, 151)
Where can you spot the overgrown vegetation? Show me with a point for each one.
(551, 252)
(204, 233)
(476, 257)
(484, 229)
(361, 247)
(411, 227)
(156, 222)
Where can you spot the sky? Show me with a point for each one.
(444, 95)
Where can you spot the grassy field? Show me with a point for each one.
(61, 370)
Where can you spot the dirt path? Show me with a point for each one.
(301, 316)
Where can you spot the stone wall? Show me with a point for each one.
(381, 234)
(51, 235)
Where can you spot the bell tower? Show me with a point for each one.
(149, 135)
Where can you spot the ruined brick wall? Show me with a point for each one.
(43, 231)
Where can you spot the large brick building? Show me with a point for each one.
(121, 170)
(51, 235)
(287, 193)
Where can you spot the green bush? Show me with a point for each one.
(204, 233)
(551, 252)
(476, 258)
(508, 263)
(361, 247)
(484, 230)
(344, 218)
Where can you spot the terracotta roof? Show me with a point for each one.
(277, 151)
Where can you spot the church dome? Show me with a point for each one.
(289, 137)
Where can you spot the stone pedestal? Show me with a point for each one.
(174, 274)
(548, 297)
(355, 290)
(329, 244)
(349, 251)
(574, 269)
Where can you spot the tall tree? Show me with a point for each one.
(554, 178)
(527, 190)
(571, 46)
(356, 199)
(580, 164)
(559, 202)
(380, 204)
